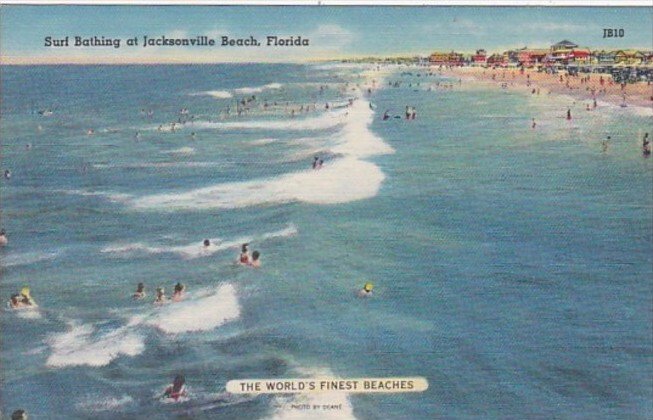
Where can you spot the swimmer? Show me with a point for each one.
(140, 292)
(533, 123)
(244, 254)
(206, 243)
(255, 262)
(22, 299)
(178, 294)
(90, 132)
(7, 174)
(319, 164)
(568, 114)
(604, 144)
(646, 146)
(177, 389)
(316, 161)
(15, 301)
(3, 238)
(160, 296)
(19, 415)
(366, 291)
(386, 116)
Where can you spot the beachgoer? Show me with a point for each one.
(7, 174)
(3, 238)
(244, 254)
(255, 262)
(533, 123)
(206, 242)
(366, 291)
(646, 145)
(568, 114)
(319, 164)
(19, 415)
(160, 295)
(177, 389)
(386, 116)
(178, 294)
(140, 291)
(316, 161)
(605, 144)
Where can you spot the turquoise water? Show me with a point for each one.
(512, 267)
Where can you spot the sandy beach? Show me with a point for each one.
(583, 87)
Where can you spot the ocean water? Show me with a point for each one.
(512, 266)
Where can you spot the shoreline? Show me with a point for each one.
(639, 95)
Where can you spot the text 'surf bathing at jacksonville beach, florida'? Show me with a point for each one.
(166, 41)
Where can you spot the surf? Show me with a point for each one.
(330, 185)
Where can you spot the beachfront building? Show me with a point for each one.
(496, 60)
(628, 57)
(480, 58)
(531, 57)
(579, 56)
(446, 59)
(603, 58)
(563, 45)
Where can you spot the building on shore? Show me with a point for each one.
(496, 60)
(446, 59)
(531, 57)
(480, 58)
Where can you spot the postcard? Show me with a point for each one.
(326, 212)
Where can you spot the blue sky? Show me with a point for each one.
(333, 31)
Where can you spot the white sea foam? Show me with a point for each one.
(103, 403)
(26, 258)
(220, 94)
(149, 165)
(115, 197)
(200, 314)
(261, 142)
(180, 151)
(257, 89)
(284, 404)
(321, 122)
(330, 185)
(80, 346)
(197, 250)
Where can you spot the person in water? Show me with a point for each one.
(533, 124)
(255, 262)
(160, 296)
(19, 415)
(177, 389)
(140, 291)
(3, 238)
(178, 294)
(568, 114)
(386, 116)
(7, 174)
(207, 243)
(605, 144)
(244, 254)
(646, 146)
(22, 299)
(316, 160)
(366, 291)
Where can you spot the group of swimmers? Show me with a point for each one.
(245, 258)
(177, 295)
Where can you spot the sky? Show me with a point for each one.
(333, 32)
